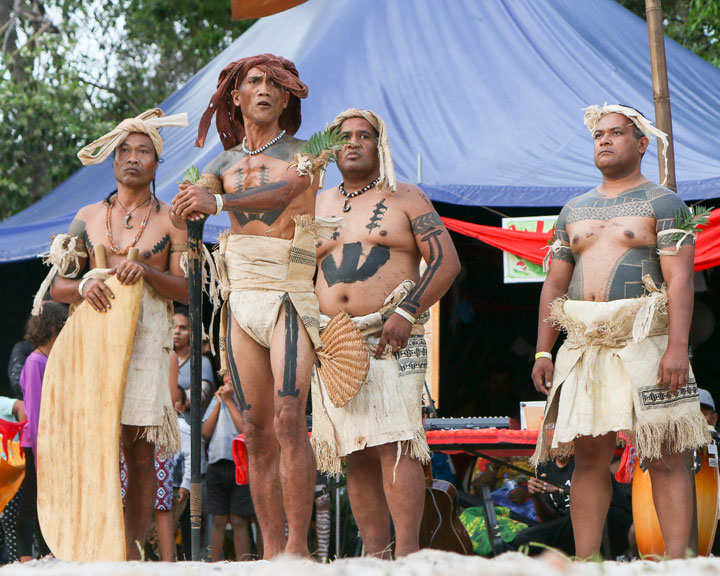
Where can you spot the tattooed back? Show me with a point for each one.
(253, 175)
(374, 251)
(612, 241)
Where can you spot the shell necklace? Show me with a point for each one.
(349, 195)
(263, 147)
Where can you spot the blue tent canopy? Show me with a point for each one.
(489, 96)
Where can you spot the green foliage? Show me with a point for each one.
(693, 23)
(691, 220)
(327, 140)
(191, 175)
(70, 70)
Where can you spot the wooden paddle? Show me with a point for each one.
(78, 448)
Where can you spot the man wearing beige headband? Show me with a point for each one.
(132, 216)
(620, 286)
(269, 324)
(369, 270)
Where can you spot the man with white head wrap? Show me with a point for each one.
(132, 216)
(621, 286)
(369, 270)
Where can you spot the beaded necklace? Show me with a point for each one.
(108, 227)
(263, 147)
(349, 195)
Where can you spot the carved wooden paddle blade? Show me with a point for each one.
(79, 503)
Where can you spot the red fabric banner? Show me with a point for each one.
(532, 246)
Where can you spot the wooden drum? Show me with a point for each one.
(647, 528)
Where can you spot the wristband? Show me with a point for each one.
(539, 355)
(219, 203)
(82, 285)
(405, 314)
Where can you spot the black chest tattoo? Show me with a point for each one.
(377, 216)
(634, 204)
(350, 270)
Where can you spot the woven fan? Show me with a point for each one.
(344, 360)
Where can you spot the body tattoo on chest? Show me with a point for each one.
(428, 227)
(160, 246)
(292, 329)
(350, 269)
(377, 215)
(245, 216)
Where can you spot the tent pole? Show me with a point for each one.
(661, 92)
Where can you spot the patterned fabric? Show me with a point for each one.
(474, 521)
(8, 525)
(164, 475)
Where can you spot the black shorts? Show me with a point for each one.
(223, 495)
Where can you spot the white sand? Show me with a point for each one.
(424, 563)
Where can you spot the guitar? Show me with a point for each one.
(441, 528)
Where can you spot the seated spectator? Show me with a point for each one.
(225, 499)
(553, 510)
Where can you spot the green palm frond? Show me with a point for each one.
(191, 175)
(327, 140)
(691, 219)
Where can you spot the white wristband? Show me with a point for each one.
(405, 314)
(219, 202)
(82, 285)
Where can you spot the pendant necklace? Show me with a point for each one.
(349, 195)
(126, 219)
(108, 229)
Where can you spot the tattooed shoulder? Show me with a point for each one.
(427, 222)
(285, 149)
(77, 227)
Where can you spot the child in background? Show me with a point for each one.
(225, 499)
(41, 331)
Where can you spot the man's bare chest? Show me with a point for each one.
(253, 172)
(374, 219)
(152, 240)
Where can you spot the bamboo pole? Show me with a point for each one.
(661, 92)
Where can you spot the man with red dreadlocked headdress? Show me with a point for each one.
(265, 268)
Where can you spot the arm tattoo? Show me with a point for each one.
(77, 228)
(429, 228)
(88, 243)
(291, 351)
(350, 270)
(426, 223)
(377, 215)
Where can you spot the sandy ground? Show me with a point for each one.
(424, 563)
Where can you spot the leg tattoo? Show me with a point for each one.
(291, 351)
(234, 376)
